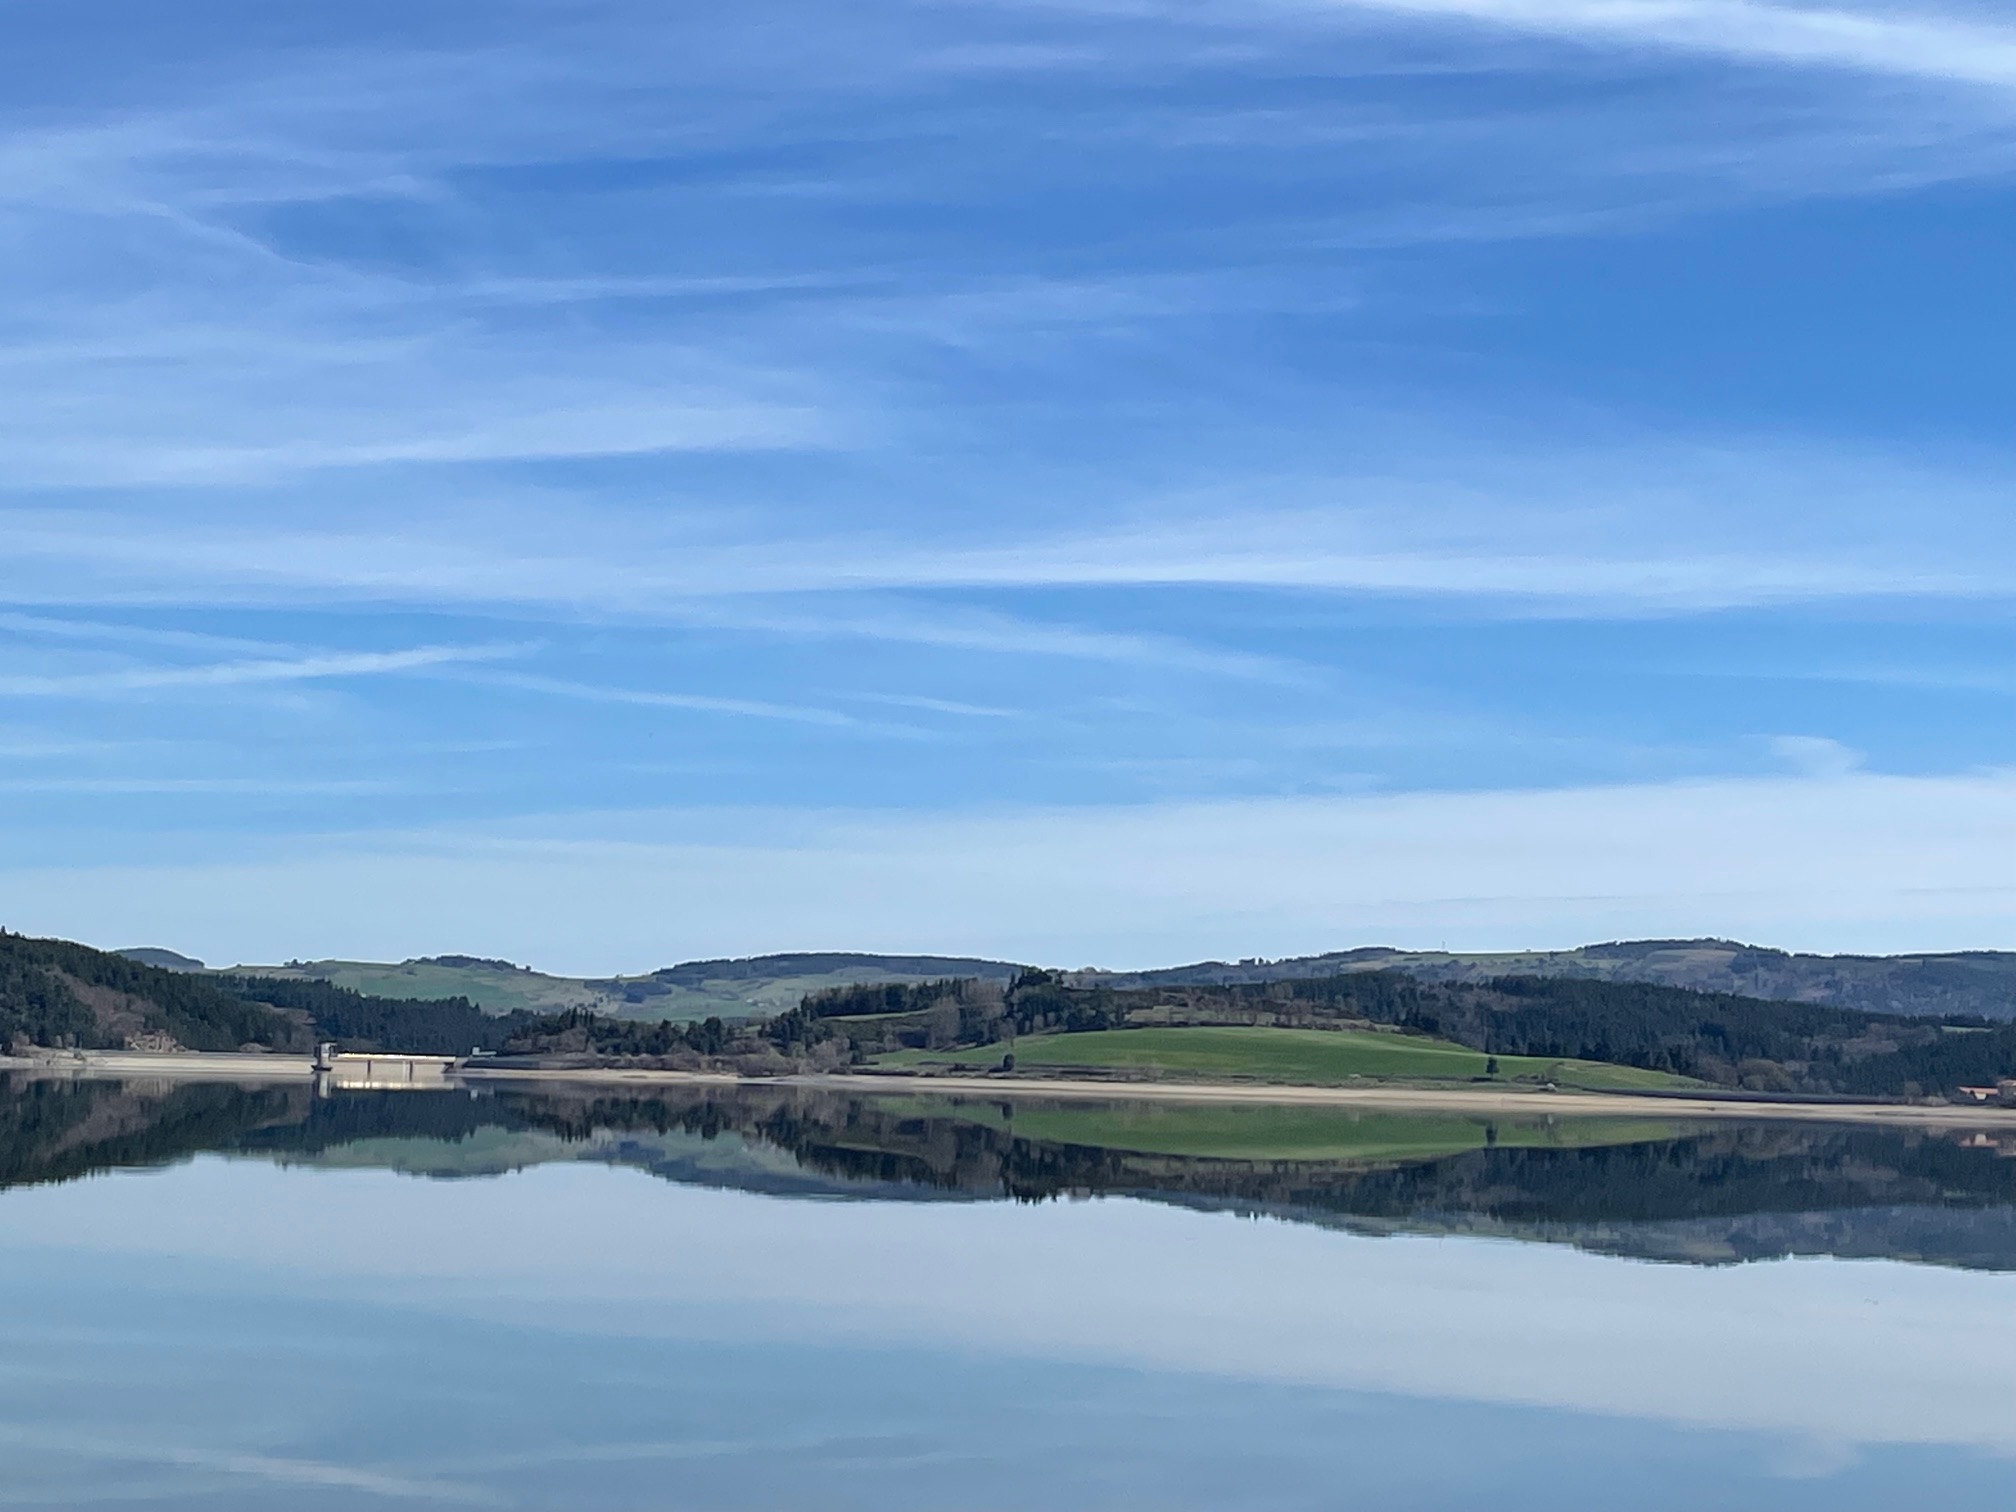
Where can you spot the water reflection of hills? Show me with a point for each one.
(1703, 1196)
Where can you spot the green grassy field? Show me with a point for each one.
(488, 987)
(1263, 1132)
(1310, 1057)
(500, 990)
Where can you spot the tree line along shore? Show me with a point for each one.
(1360, 1027)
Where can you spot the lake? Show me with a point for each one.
(239, 1297)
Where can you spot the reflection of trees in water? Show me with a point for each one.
(1719, 1194)
(58, 1130)
(1734, 1192)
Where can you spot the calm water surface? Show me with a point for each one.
(221, 1297)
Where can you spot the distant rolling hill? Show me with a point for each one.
(690, 991)
(167, 960)
(1979, 982)
(59, 994)
(495, 986)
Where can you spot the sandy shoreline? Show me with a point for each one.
(1432, 1099)
(1500, 1101)
(190, 1065)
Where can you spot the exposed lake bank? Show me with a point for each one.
(1535, 1101)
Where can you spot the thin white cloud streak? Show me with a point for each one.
(1144, 560)
(247, 673)
(623, 425)
(46, 627)
(246, 787)
(1816, 755)
(1860, 862)
(1603, 522)
(236, 1467)
(650, 698)
(50, 749)
(299, 388)
(1944, 679)
(950, 706)
(960, 628)
(1890, 41)
(1507, 549)
(649, 578)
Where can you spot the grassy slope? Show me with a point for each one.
(1261, 1132)
(488, 988)
(734, 997)
(500, 991)
(1314, 1057)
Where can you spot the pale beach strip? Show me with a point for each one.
(1481, 1101)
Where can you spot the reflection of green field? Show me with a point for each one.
(1311, 1057)
(1259, 1132)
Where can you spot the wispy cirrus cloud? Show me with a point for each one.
(32, 747)
(240, 238)
(1907, 41)
(182, 787)
(44, 627)
(654, 698)
(952, 706)
(777, 367)
(812, 614)
(112, 682)
(1671, 530)
(290, 395)
(234, 1467)
(1256, 552)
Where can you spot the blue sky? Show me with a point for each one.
(603, 483)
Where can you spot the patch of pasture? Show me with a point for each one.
(1307, 1057)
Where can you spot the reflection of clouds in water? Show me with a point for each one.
(233, 1467)
(1835, 1353)
(1814, 1458)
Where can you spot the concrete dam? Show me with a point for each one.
(330, 1069)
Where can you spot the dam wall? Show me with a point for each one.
(328, 1069)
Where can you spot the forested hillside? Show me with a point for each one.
(1719, 1038)
(59, 994)
(1977, 982)
(53, 992)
